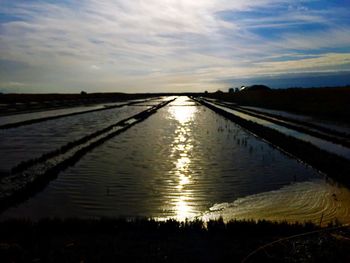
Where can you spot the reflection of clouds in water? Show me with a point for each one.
(181, 147)
(306, 201)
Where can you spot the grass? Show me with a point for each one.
(142, 240)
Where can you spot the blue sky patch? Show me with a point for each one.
(127, 46)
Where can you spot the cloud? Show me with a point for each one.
(170, 45)
(326, 62)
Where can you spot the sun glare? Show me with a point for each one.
(181, 148)
(182, 114)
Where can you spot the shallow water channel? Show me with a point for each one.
(340, 127)
(30, 141)
(320, 143)
(186, 161)
(21, 117)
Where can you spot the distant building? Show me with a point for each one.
(231, 90)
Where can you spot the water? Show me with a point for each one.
(10, 119)
(320, 143)
(30, 141)
(51, 113)
(343, 128)
(316, 201)
(186, 161)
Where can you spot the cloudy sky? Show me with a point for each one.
(172, 45)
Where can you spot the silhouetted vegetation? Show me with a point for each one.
(141, 240)
(329, 103)
(256, 87)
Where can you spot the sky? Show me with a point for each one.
(172, 45)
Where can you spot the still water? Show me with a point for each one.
(186, 161)
(10, 119)
(30, 141)
(320, 143)
(343, 128)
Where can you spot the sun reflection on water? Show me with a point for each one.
(181, 154)
(182, 114)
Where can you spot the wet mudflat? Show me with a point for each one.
(186, 161)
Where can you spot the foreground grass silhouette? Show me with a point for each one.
(142, 240)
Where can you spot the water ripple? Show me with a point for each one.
(178, 163)
(315, 201)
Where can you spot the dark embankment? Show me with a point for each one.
(20, 103)
(326, 103)
(117, 240)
